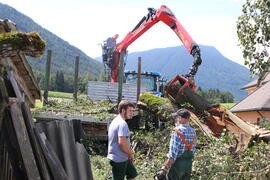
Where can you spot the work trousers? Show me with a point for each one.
(182, 167)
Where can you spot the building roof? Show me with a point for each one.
(22, 70)
(265, 79)
(254, 83)
(259, 100)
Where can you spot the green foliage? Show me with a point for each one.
(265, 123)
(215, 96)
(219, 161)
(38, 104)
(59, 81)
(56, 94)
(100, 168)
(214, 158)
(83, 107)
(254, 35)
(153, 101)
(228, 105)
(63, 82)
(163, 106)
(150, 147)
(102, 76)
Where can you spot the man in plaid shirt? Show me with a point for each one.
(182, 147)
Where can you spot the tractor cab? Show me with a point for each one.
(152, 80)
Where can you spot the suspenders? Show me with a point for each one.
(188, 146)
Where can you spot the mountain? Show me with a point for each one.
(63, 53)
(215, 72)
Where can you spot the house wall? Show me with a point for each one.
(251, 89)
(253, 116)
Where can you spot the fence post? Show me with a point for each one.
(120, 75)
(47, 77)
(139, 77)
(75, 98)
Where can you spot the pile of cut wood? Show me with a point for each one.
(212, 119)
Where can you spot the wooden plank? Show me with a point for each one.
(25, 82)
(18, 89)
(23, 140)
(57, 170)
(240, 123)
(31, 74)
(203, 127)
(3, 100)
(14, 76)
(41, 162)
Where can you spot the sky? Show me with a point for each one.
(87, 23)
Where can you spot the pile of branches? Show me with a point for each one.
(212, 119)
(83, 107)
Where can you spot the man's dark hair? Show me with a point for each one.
(124, 104)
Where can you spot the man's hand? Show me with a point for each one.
(131, 157)
(161, 175)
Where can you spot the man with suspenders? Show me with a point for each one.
(181, 152)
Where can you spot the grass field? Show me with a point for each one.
(56, 94)
(228, 105)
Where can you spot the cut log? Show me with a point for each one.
(180, 95)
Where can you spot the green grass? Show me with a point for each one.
(56, 94)
(228, 105)
(39, 104)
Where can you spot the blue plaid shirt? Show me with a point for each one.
(177, 146)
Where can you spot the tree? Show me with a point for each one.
(102, 76)
(215, 96)
(59, 81)
(254, 35)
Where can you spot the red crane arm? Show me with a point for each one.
(165, 15)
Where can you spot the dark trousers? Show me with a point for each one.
(182, 167)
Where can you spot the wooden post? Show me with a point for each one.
(23, 140)
(75, 98)
(3, 100)
(139, 77)
(47, 77)
(120, 75)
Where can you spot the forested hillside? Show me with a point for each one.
(215, 72)
(63, 53)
